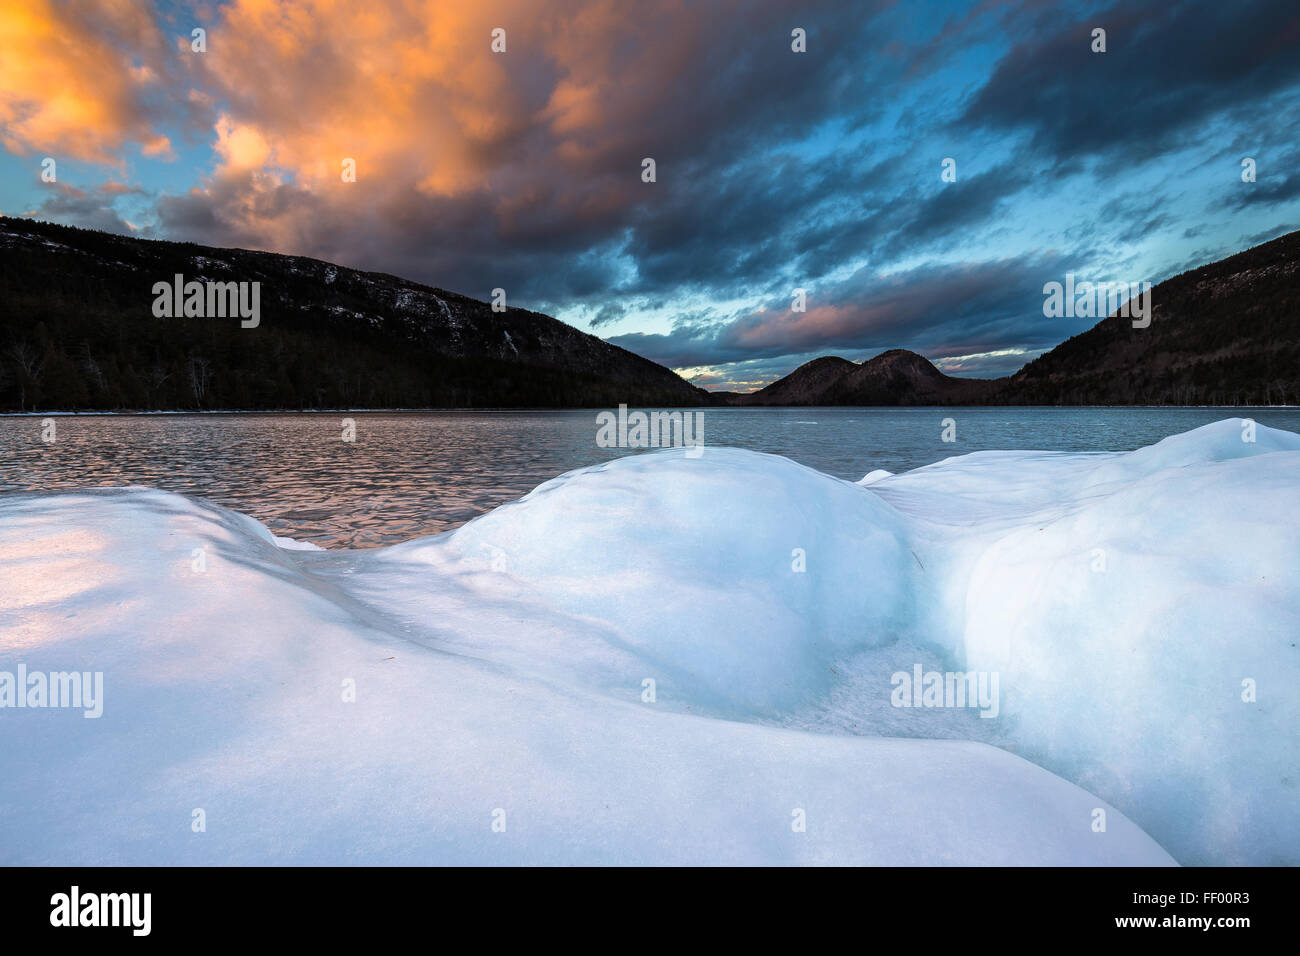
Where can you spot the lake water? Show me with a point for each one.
(415, 473)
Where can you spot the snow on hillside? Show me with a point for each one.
(665, 659)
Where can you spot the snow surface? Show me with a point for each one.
(1122, 599)
(873, 476)
(292, 544)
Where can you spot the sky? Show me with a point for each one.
(920, 170)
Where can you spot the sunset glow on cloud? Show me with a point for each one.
(78, 77)
(776, 170)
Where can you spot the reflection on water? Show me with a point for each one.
(417, 473)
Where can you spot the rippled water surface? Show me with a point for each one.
(414, 473)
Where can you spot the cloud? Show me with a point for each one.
(1278, 182)
(91, 209)
(480, 169)
(81, 78)
(1168, 67)
(941, 311)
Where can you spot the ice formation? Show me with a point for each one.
(676, 659)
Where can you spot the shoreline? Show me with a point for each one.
(584, 408)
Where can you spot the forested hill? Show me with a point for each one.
(78, 331)
(1227, 333)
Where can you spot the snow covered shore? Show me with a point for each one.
(666, 659)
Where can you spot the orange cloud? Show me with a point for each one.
(458, 150)
(414, 93)
(76, 78)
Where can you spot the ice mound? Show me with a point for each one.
(871, 477)
(810, 567)
(292, 544)
(1146, 641)
(608, 659)
(1142, 611)
(1228, 440)
(227, 735)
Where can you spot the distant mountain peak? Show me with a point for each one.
(895, 377)
(1226, 333)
